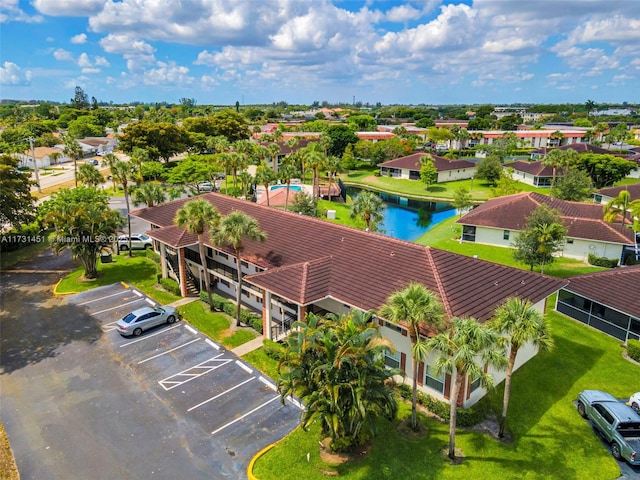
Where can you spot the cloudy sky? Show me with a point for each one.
(300, 51)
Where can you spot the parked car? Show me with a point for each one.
(206, 187)
(634, 402)
(616, 421)
(93, 161)
(136, 322)
(139, 241)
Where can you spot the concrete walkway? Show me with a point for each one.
(245, 348)
(183, 301)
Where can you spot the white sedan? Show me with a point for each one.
(634, 401)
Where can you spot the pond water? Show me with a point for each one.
(407, 219)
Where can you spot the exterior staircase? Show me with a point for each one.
(192, 281)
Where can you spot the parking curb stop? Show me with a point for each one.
(250, 474)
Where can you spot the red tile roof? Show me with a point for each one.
(533, 168)
(583, 220)
(618, 288)
(412, 162)
(308, 259)
(633, 189)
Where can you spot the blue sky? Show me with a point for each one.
(300, 51)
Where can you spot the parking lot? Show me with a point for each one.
(170, 403)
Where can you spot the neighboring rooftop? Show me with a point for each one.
(413, 162)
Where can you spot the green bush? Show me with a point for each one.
(170, 285)
(633, 349)
(221, 304)
(602, 261)
(272, 349)
(153, 256)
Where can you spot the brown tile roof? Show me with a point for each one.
(583, 220)
(578, 147)
(533, 168)
(633, 189)
(617, 288)
(309, 259)
(412, 162)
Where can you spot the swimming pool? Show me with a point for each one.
(295, 188)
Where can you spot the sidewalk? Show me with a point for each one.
(245, 348)
(183, 301)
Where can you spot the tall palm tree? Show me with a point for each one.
(460, 349)
(122, 173)
(417, 308)
(89, 175)
(149, 193)
(274, 151)
(138, 157)
(235, 161)
(265, 176)
(73, 150)
(549, 237)
(518, 322)
(110, 159)
(368, 206)
(617, 206)
(315, 159)
(196, 217)
(232, 230)
(287, 171)
(333, 165)
(54, 156)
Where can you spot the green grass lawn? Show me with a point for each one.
(550, 439)
(215, 325)
(259, 359)
(137, 270)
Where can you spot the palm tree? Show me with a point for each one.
(333, 165)
(287, 171)
(417, 308)
(590, 105)
(197, 216)
(110, 159)
(368, 206)
(122, 173)
(518, 323)
(234, 161)
(274, 151)
(73, 150)
(138, 157)
(265, 176)
(89, 175)
(549, 237)
(232, 230)
(150, 194)
(465, 343)
(617, 206)
(54, 156)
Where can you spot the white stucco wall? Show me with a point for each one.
(457, 174)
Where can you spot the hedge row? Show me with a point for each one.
(633, 349)
(602, 261)
(221, 304)
(466, 417)
(170, 285)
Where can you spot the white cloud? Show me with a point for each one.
(62, 55)
(10, 11)
(79, 39)
(91, 70)
(168, 74)
(102, 62)
(83, 60)
(68, 8)
(402, 13)
(126, 45)
(12, 74)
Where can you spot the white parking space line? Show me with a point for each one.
(109, 327)
(150, 302)
(148, 336)
(124, 292)
(192, 330)
(167, 351)
(296, 402)
(118, 306)
(268, 383)
(245, 415)
(244, 367)
(222, 393)
(213, 344)
(194, 372)
(136, 292)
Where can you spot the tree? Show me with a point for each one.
(333, 166)
(314, 158)
(83, 127)
(506, 185)
(341, 136)
(574, 185)
(122, 173)
(232, 230)
(461, 199)
(286, 172)
(305, 204)
(83, 223)
(138, 157)
(73, 150)
(362, 123)
(463, 350)
(418, 308)
(110, 159)
(606, 169)
(560, 159)
(265, 176)
(80, 100)
(618, 206)
(189, 172)
(16, 202)
(543, 236)
(149, 193)
(428, 171)
(503, 146)
(590, 106)
(89, 175)
(618, 134)
(161, 140)
(335, 365)
(368, 206)
(519, 323)
(230, 125)
(198, 216)
(439, 135)
(489, 169)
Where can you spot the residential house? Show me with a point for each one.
(306, 265)
(605, 195)
(533, 138)
(409, 167)
(498, 221)
(533, 173)
(607, 301)
(43, 155)
(97, 145)
(542, 152)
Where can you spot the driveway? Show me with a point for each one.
(79, 401)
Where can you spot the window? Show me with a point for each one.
(392, 360)
(244, 264)
(209, 252)
(570, 241)
(505, 235)
(475, 384)
(431, 380)
(223, 255)
(225, 283)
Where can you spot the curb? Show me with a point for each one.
(56, 292)
(250, 474)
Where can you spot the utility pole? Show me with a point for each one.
(35, 163)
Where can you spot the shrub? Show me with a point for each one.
(221, 304)
(633, 349)
(170, 285)
(602, 261)
(153, 256)
(272, 349)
